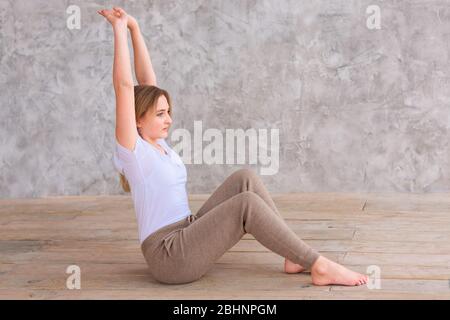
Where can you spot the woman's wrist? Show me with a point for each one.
(132, 24)
(119, 28)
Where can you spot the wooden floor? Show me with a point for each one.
(406, 235)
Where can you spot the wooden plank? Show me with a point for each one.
(140, 269)
(330, 201)
(118, 233)
(404, 285)
(270, 277)
(288, 213)
(101, 234)
(102, 246)
(419, 247)
(363, 223)
(405, 259)
(78, 252)
(412, 202)
(404, 236)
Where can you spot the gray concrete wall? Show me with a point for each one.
(357, 109)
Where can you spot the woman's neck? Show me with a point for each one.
(155, 143)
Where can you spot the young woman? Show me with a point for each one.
(180, 247)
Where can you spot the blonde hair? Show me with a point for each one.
(145, 99)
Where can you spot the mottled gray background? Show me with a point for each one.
(358, 110)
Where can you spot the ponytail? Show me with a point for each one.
(124, 183)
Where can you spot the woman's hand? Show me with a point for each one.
(117, 17)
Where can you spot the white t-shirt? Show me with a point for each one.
(157, 183)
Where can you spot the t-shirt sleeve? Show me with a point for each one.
(126, 161)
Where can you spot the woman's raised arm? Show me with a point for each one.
(143, 67)
(126, 131)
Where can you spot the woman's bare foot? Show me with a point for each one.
(325, 272)
(291, 267)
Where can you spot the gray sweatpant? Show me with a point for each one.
(184, 251)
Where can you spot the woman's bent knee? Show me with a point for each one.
(247, 173)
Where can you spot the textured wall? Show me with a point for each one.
(357, 109)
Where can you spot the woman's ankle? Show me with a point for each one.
(320, 265)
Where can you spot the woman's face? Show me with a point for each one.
(155, 124)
